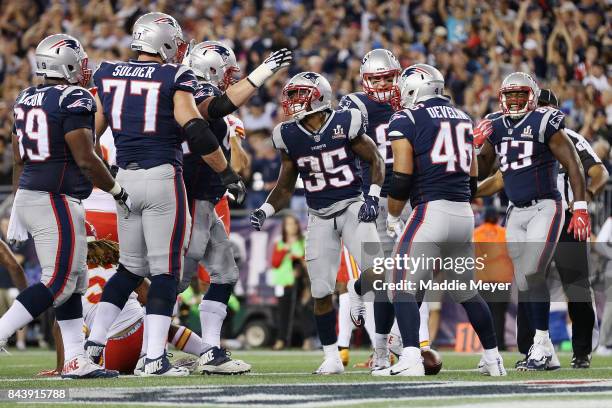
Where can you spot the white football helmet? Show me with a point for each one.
(380, 64)
(306, 93)
(62, 56)
(160, 34)
(417, 83)
(213, 62)
(514, 105)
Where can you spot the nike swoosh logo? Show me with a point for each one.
(396, 372)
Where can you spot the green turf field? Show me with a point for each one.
(284, 379)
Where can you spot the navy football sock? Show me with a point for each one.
(36, 299)
(480, 317)
(408, 318)
(326, 326)
(219, 292)
(70, 309)
(384, 313)
(120, 286)
(162, 295)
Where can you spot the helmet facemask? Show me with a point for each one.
(230, 77)
(181, 50)
(85, 74)
(296, 99)
(381, 87)
(516, 101)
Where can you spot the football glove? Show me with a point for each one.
(395, 226)
(482, 131)
(258, 217)
(123, 199)
(234, 184)
(580, 223)
(271, 65)
(369, 210)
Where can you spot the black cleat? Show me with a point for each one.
(581, 361)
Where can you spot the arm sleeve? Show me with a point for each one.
(185, 80)
(78, 106)
(584, 149)
(552, 121)
(357, 127)
(277, 139)
(204, 92)
(401, 125)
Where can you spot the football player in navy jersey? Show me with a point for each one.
(55, 165)
(149, 105)
(214, 64)
(321, 146)
(434, 167)
(530, 143)
(379, 73)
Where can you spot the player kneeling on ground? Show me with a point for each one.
(127, 333)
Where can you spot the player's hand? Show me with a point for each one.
(369, 210)
(482, 131)
(395, 226)
(124, 201)
(271, 65)
(234, 184)
(236, 191)
(258, 217)
(580, 223)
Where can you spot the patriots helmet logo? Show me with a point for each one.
(166, 20)
(415, 70)
(219, 49)
(67, 42)
(311, 76)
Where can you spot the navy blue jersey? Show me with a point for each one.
(201, 181)
(527, 164)
(43, 116)
(324, 159)
(442, 141)
(138, 103)
(376, 117)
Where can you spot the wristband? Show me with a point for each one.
(267, 209)
(580, 205)
(259, 75)
(115, 190)
(374, 190)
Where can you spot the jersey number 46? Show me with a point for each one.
(452, 152)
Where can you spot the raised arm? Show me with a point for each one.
(238, 94)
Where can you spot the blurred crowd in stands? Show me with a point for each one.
(565, 45)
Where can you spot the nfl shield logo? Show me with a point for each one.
(317, 138)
